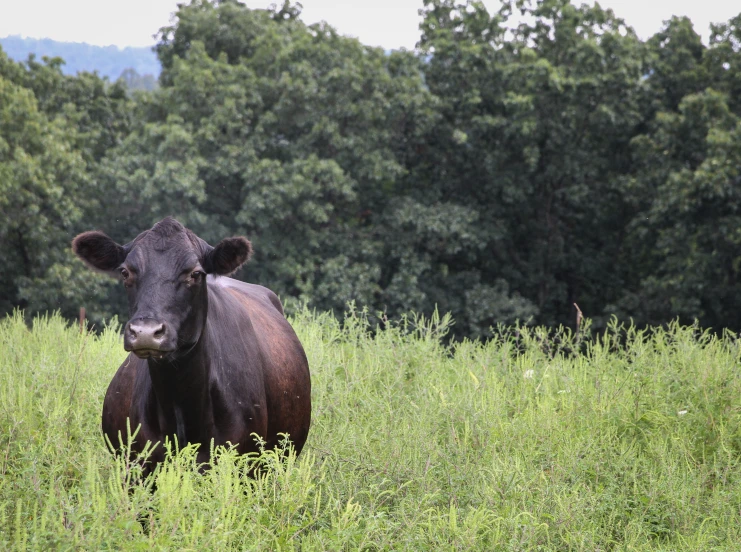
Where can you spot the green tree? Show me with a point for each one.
(533, 140)
(43, 184)
(723, 61)
(100, 111)
(290, 134)
(500, 172)
(681, 242)
(56, 129)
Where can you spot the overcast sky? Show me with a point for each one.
(387, 23)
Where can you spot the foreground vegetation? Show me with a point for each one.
(633, 443)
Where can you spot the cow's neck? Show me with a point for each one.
(181, 388)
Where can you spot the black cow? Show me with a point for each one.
(211, 358)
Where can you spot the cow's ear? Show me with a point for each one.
(98, 251)
(228, 255)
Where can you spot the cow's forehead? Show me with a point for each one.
(167, 246)
(164, 241)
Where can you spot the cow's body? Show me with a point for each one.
(250, 376)
(229, 366)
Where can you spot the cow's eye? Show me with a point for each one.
(125, 277)
(196, 275)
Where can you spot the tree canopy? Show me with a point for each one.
(502, 171)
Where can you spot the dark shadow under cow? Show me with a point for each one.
(210, 357)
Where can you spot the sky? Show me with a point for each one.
(387, 23)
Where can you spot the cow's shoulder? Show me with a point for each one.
(250, 294)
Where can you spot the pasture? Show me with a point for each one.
(632, 444)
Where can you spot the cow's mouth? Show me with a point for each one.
(155, 354)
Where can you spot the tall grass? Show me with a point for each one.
(632, 444)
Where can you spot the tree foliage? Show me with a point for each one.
(516, 163)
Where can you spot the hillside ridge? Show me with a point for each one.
(108, 61)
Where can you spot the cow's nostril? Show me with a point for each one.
(159, 332)
(132, 332)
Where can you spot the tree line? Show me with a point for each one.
(516, 163)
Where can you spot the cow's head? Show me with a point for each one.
(164, 272)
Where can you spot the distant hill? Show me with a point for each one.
(109, 61)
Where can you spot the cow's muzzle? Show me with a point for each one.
(146, 338)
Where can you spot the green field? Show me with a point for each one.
(634, 444)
